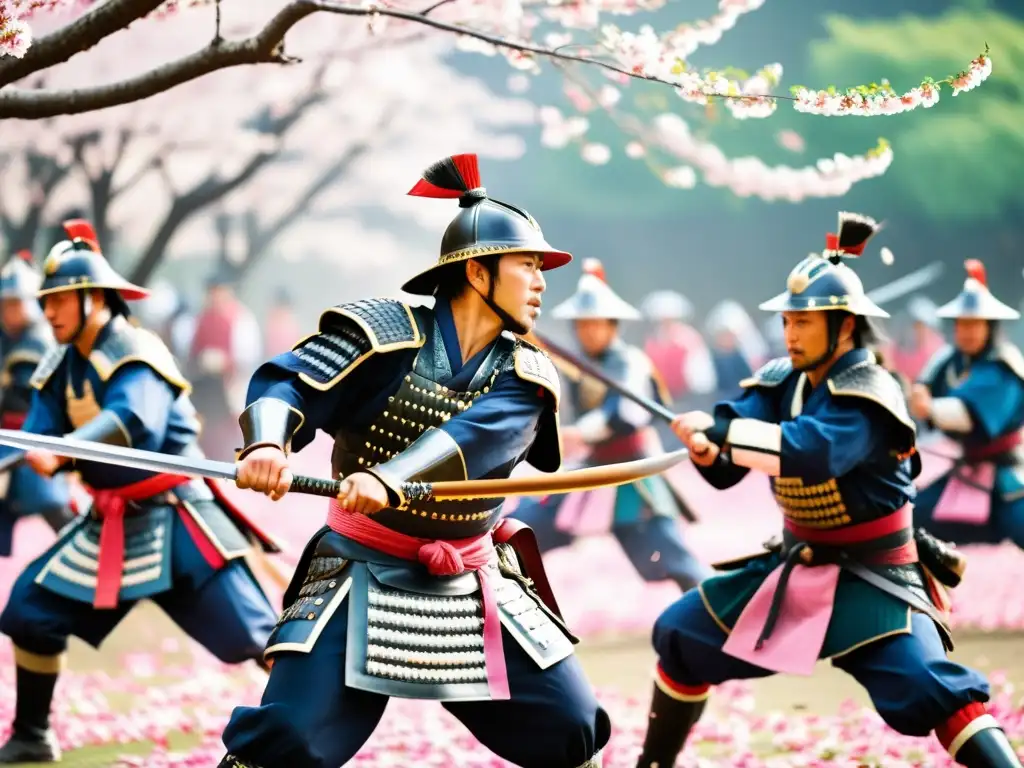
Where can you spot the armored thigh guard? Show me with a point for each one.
(411, 634)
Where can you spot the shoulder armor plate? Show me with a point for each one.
(47, 366)
(387, 323)
(126, 343)
(771, 374)
(1010, 355)
(533, 365)
(935, 364)
(350, 333)
(870, 381)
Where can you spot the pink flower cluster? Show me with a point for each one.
(883, 100)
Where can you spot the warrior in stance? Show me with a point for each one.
(973, 392)
(609, 428)
(163, 537)
(849, 581)
(401, 595)
(26, 340)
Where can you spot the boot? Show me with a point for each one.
(230, 761)
(987, 749)
(668, 725)
(32, 741)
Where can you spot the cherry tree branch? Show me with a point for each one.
(214, 188)
(80, 35)
(264, 47)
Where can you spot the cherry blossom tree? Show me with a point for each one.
(525, 32)
(269, 142)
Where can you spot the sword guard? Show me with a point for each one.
(415, 491)
(315, 486)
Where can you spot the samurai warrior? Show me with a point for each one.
(168, 538)
(399, 594)
(25, 340)
(973, 393)
(849, 580)
(643, 516)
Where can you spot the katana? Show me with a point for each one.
(534, 485)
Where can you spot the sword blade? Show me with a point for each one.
(149, 461)
(540, 485)
(909, 283)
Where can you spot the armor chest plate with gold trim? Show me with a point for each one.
(418, 405)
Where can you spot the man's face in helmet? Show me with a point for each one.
(971, 335)
(806, 335)
(595, 334)
(63, 311)
(13, 315)
(518, 286)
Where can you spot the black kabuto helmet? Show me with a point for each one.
(483, 227)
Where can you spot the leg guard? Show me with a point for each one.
(675, 709)
(974, 739)
(32, 740)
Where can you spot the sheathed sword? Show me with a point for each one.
(533, 485)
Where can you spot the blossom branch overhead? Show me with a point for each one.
(642, 55)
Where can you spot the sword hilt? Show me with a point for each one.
(315, 486)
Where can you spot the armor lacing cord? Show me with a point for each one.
(793, 558)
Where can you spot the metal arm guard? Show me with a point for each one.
(433, 457)
(268, 422)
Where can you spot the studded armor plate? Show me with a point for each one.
(411, 634)
(418, 405)
(431, 646)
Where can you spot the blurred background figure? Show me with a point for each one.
(283, 330)
(25, 338)
(737, 347)
(225, 349)
(167, 313)
(676, 348)
(915, 344)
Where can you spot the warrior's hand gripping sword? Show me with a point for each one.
(534, 485)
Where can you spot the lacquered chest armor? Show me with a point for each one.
(420, 404)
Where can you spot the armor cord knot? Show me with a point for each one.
(441, 559)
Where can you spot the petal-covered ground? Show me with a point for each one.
(149, 686)
(163, 692)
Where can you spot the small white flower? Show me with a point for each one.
(596, 154)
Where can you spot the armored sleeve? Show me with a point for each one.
(302, 390)
(135, 408)
(986, 404)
